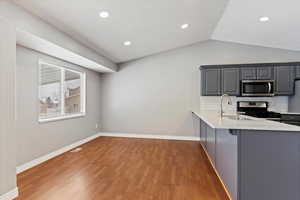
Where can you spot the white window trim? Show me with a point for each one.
(64, 116)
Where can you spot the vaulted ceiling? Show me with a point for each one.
(155, 26)
(240, 23)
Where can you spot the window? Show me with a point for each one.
(61, 92)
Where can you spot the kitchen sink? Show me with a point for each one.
(236, 117)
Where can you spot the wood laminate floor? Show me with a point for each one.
(124, 169)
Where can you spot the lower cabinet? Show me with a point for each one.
(203, 133)
(222, 149)
(254, 164)
(227, 160)
(211, 143)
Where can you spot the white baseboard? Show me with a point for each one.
(44, 158)
(49, 156)
(142, 136)
(10, 195)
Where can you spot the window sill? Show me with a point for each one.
(61, 118)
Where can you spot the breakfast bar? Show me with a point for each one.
(254, 158)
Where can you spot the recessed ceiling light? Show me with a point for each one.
(104, 14)
(127, 43)
(264, 19)
(184, 26)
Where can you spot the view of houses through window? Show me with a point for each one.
(61, 92)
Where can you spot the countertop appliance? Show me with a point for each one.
(257, 88)
(259, 109)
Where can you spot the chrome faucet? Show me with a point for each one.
(229, 103)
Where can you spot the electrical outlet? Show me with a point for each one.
(97, 125)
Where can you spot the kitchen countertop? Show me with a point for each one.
(290, 113)
(213, 119)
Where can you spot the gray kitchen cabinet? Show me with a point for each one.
(265, 73)
(248, 73)
(227, 160)
(257, 73)
(255, 164)
(211, 82)
(203, 133)
(297, 72)
(225, 79)
(231, 81)
(284, 77)
(269, 165)
(211, 144)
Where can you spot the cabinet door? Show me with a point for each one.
(210, 144)
(211, 82)
(227, 160)
(203, 133)
(265, 73)
(231, 81)
(297, 72)
(248, 73)
(284, 77)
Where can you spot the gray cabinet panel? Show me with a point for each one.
(269, 165)
(211, 82)
(284, 77)
(298, 72)
(211, 143)
(219, 80)
(265, 73)
(227, 160)
(248, 73)
(231, 81)
(203, 133)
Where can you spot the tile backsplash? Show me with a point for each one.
(277, 104)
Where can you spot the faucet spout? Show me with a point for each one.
(229, 102)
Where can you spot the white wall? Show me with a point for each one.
(7, 103)
(154, 95)
(37, 139)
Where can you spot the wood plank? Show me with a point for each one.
(121, 168)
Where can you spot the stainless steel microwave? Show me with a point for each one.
(257, 88)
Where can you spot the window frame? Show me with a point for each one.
(63, 115)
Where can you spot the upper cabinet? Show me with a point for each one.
(226, 79)
(211, 82)
(248, 73)
(265, 73)
(231, 81)
(257, 73)
(297, 72)
(284, 77)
